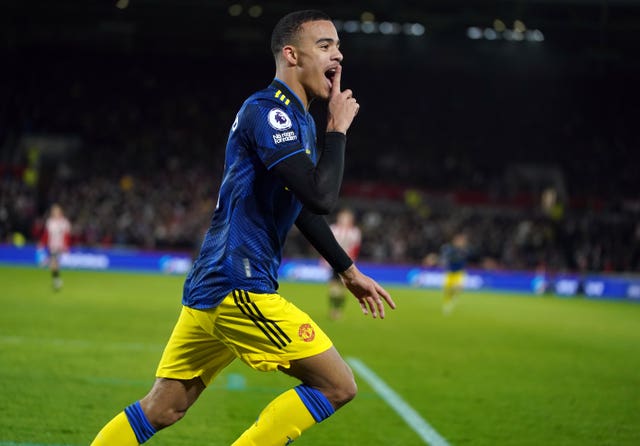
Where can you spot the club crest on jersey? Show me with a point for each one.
(306, 332)
(279, 120)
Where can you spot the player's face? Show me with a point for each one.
(345, 219)
(460, 241)
(56, 212)
(319, 55)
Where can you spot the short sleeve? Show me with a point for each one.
(274, 131)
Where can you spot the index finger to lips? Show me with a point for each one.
(335, 82)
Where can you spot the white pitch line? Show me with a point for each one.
(400, 406)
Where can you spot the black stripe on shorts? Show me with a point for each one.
(270, 329)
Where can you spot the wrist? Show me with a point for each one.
(333, 126)
(349, 273)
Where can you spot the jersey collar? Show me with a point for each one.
(286, 95)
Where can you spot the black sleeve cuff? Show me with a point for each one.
(335, 140)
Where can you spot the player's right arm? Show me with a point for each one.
(316, 186)
(342, 108)
(277, 140)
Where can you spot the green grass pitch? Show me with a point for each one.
(500, 370)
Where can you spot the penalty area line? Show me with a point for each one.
(419, 425)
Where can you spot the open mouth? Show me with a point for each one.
(330, 74)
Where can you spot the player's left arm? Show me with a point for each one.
(369, 293)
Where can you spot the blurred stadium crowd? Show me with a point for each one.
(133, 151)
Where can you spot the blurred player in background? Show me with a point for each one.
(453, 257)
(55, 238)
(274, 176)
(349, 237)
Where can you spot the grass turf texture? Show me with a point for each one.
(502, 369)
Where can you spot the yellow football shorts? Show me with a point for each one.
(454, 279)
(264, 330)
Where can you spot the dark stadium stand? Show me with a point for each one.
(130, 138)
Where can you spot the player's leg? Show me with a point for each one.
(165, 404)
(452, 287)
(447, 295)
(337, 297)
(279, 336)
(54, 266)
(327, 385)
(328, 374)
(190, 361)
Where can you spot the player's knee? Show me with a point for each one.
(169, 400)
(172, 416)
(160, 419)
(350, 391)
(343, 393)
(162, 413)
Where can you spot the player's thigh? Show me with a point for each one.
(193, 351)
(453, 279)
(268, 332)
(458, 279)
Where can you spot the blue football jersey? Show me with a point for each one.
(243, 247)
(454, 258)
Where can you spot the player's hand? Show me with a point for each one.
(368, 292)
(343, 107)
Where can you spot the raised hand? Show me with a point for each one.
(342, 108)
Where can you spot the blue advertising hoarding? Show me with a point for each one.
(100, 259)
(595, 286)
(591, 285)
